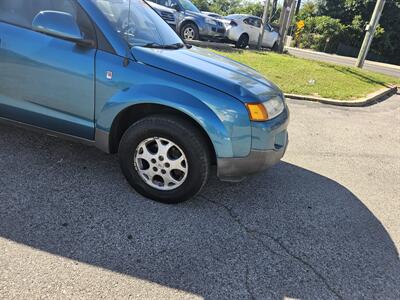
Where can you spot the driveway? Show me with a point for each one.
(323, 224)
(392, 70)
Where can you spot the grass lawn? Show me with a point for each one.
(308, 77)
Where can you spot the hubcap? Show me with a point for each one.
(188, 33)
(161, 163)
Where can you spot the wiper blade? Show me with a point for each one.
(178, 45)
(159, 46)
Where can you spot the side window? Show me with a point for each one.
(16, 12)
(167, 3)
(247, 21)
(67, 6)
(256, 23)
(22, 13)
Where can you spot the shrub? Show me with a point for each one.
(319, 33)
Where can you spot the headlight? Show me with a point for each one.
(267, 110)
(274, 107)
(211, 21)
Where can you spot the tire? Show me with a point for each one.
(147, 138)
(243, 41)
(275, 47)
(189, 32)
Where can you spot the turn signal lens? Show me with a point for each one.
(257, 112)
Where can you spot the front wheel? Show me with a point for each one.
(190, 32)
(164, 158)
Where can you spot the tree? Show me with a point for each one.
(203, 5)
(355, 15)
(309, 9)
(251, 8)
(226, 7)
(320, 33)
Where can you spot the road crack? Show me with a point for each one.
(253, 234)
(248, 288)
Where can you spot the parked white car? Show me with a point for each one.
(245, 29)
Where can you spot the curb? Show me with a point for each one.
(369, 100)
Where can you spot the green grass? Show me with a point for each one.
(308, 77)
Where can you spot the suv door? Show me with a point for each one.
(46, 81)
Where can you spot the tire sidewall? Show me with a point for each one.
(242, 38)
(137, 134)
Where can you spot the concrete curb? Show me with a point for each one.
(369, 100)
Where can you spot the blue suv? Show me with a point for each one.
(191, 23)
(113, 74)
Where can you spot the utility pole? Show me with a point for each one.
(369, 35)
(298, 7)
(272, 10)
(285, 18)
(263, 23)
(291, 15)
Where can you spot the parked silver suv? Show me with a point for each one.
(191, 23)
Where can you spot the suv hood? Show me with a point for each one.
(210, 69)
(196, 14)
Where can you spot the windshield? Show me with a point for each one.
(138, 23)
(187, 5)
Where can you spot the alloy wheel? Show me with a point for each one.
(188, 33)
(161, 163)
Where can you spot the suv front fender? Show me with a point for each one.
(228, 129)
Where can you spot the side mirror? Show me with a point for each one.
(61, 25)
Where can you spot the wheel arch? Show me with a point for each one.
(136, 112)
(244, 33)
(188, 21)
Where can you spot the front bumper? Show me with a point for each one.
(214, 31)
(237, 169)
(269, 143)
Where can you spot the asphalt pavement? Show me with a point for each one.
(322, 224)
